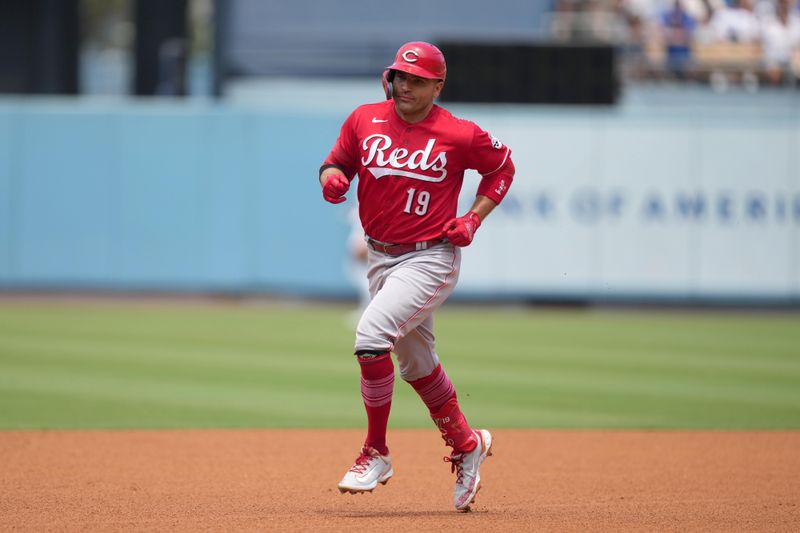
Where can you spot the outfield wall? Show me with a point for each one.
(667, 204)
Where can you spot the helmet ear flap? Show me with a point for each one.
(386, 81)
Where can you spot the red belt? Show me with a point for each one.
(400, 249)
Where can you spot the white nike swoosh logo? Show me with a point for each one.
(377, 120)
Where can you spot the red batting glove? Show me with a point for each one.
(460, 231)
(335, 187)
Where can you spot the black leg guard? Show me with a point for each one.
(366, 355)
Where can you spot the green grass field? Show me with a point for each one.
(177, 365)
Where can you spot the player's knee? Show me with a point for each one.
(372, 342)
(413, 370)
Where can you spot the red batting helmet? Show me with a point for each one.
(420, 59)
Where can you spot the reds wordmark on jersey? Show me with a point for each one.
(410, 175)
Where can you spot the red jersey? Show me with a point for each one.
(410, 175)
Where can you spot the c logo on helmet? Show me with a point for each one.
(407, 53)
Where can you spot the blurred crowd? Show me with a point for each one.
(720, 42)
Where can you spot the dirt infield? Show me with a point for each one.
(273, 480)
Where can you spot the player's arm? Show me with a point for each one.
(491, 191)
(482, 206)
(334, 172)
(328, 170)
(334, 183)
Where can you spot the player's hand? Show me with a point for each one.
(335, 187)
(460, 231)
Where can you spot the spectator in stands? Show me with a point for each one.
(582, 21)
(677, 31)
(781, 43)
(564, 14)
(702, 10)
(630, 34)
(764, 8)
(736, 22)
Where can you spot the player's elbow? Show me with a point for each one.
(495, 185)
(506, 173)
(509, 170)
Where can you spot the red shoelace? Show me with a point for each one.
(362, 462)
(456, 465)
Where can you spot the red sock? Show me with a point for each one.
(377, 386)
(454, 427)
(434, 389)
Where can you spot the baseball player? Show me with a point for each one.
(410, 155)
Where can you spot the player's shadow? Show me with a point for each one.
(396, 514)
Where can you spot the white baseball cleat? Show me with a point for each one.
(369, 469)
(467, 468)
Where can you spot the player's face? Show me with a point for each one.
(413, 96)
